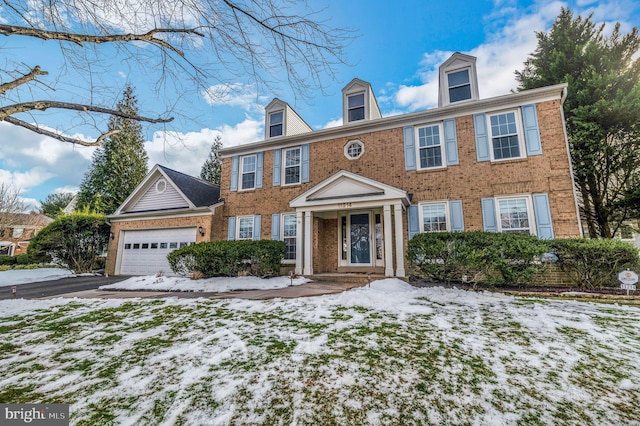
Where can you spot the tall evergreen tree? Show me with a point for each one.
(212, 168)
(119, 165)
(53, 205)
(602, 113)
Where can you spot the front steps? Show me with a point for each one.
(354, 278)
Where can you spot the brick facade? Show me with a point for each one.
(383, 161)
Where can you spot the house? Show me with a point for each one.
(17, 229)
(347, 199)
(166, 211)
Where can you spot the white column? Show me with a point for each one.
(388, 243)
(308, 243)
(397, 218)
(299, 242)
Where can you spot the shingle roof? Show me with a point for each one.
(200, 192)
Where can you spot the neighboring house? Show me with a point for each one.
(166, 211)
(347, 199)
(17, 229)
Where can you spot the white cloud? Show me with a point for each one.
(186, 152)
(26, 180)
(332, 123)
(234, 95)
(67, 188)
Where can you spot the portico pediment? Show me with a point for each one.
(346, 187)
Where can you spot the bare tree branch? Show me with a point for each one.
(58, 136)
(149, 37)
(32, 75)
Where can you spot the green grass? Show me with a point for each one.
(517, 360)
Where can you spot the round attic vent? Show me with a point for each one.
(354, 150)
(161, 185)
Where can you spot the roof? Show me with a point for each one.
(200, 192)
(28, 219)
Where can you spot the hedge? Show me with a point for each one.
(595, 263)
(229, 258)
(7, 260)
(476, 257)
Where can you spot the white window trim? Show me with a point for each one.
(238, 219)
(519, 132)
(288, 261)
(346, 149)
(364, 106)
(433, 203)
(284, 166)
(442, 146)
(269, 115)
(446, 80)
(241, 173)
(533, 230)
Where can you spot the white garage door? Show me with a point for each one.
(145, 252)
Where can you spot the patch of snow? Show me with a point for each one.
(23, 276)
(208, 285)
(626, 384)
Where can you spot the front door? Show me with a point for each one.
(360, 239)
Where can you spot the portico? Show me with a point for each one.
(350, 223)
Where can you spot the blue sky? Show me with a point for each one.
(398, 48)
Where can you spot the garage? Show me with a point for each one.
(144, 252)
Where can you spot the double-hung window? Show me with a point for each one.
(505, 140)
(292, 165)
(248, 172)
(514, 215)
(430, 146)
(245, 228)
(434, 217)
(355, 107)
(459, 85)
(276, 124)
(289, 235)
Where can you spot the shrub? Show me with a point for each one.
(229, 258)
(7, 260)
(480, 256)
(595, 263)
(74, 241)
(23, 259)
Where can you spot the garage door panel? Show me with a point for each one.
(145, 251)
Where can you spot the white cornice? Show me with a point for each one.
(164, 214)
(511, 100)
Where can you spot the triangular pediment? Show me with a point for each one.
(348, 187)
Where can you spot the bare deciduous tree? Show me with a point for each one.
(10, 206)
(183, 46)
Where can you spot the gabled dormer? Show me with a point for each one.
(458, 80)
(282, 120)
(358, 102)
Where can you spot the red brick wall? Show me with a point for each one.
(470, 181)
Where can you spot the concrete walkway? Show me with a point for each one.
(304, 290)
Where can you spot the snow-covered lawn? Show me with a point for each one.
(22, 276)
(214, 285)
(389, 354)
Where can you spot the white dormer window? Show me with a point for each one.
(459, 84)
(458, 80)
(276, 127)
(355, 110)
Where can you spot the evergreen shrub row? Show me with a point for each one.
(229, 258)
(7, 260)
(499, 259)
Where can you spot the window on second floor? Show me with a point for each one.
(245, 228)
(459, 85)
(430, 147)
(355, 107)
(248, 166)
(505, 140)
(276, 127)
(292, 165)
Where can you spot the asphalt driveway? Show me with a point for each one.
(55, 287)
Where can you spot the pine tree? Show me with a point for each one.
(119, 165)
(212, 167)
(602, 113)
